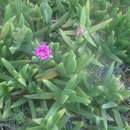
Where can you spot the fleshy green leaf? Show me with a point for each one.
(13, 72)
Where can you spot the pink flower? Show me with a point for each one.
(80, 31)
(43, 51)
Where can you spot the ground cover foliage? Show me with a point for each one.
(81, 85)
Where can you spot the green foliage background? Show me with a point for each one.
(59, 93)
